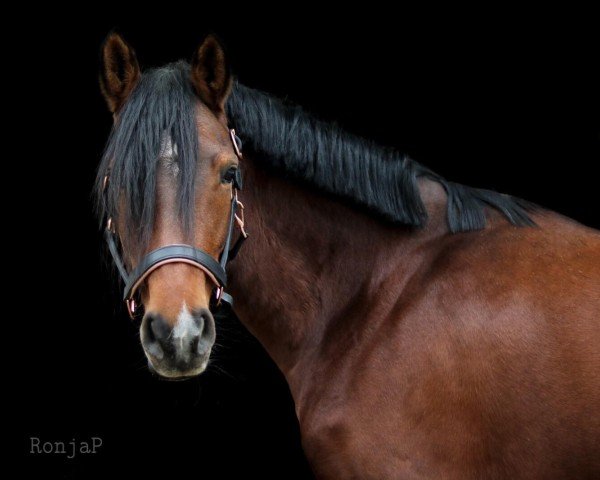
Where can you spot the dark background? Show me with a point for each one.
(506, 101)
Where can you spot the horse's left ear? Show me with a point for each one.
(210, 75)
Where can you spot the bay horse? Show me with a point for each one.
(426, 329)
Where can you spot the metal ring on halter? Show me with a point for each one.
(131, 306)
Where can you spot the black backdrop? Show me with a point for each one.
(507, 102)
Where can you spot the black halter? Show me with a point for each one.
(214, 270)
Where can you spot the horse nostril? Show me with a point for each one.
(195, 343)
(198, 319)
(206, 326)
(154, 334)
(147, 329)
(158, 327)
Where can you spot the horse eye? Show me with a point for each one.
(229, 175)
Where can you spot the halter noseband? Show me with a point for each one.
(179, 253)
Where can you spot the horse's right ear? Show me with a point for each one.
(119, 71)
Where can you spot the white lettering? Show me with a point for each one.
(35, 444)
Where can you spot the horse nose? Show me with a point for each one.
(182, 347)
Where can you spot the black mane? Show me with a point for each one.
(378, 178)
(304, 148)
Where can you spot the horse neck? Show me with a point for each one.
(311, 261)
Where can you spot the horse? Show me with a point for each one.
(426, 329)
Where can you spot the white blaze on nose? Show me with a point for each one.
(185, 328)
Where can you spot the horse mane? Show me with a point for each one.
(377, 178)
(301, 147)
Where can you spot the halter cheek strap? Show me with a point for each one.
(180, 253)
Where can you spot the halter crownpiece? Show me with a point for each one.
(179, 253)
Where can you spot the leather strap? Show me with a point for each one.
(109, 236)
(225, 253)
(227, 299)
(174, 254)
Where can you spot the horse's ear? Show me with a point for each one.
(119, 71)
(210, 74)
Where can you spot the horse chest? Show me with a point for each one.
(341, 445)
(350, 433)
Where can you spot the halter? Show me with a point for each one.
(181, 253)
